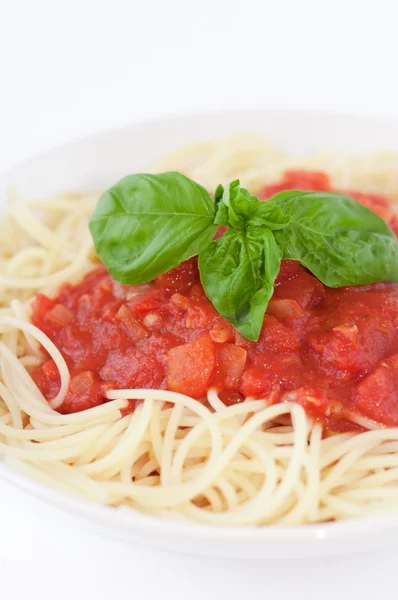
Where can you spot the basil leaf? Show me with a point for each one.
(148, 224)
(270, 215)
(218, 194)
(241, 204)
(238, 272)
(234, 205)
(338, 239)
(221, 209)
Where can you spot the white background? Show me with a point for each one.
(72, 67)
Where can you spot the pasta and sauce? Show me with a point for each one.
(147, 395)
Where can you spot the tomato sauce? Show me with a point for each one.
(334, 351)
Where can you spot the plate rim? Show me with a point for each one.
(380, 119)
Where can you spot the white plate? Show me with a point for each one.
(98, 161)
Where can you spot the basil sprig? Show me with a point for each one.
(148, 224)
(336, 238)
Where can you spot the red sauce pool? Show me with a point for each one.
(335, 351)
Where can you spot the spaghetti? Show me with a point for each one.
(250, 463)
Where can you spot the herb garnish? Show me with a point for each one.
(147, 224)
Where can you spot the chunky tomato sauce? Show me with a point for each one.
(335, 351)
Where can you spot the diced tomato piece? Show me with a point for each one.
(222, 331)
(81, 384)
(152, 300)
(190, 367)
(257, 383)
(241, 341)
(231, 361)
(349, 332)
(50, 369)
(84, 309)
(285, 309)
(200, 315)
(135, 330)
(376, 397)
(276, 337)
(179, 301)
(107, 310)
(60, 315)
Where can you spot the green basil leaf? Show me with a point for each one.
(218, 194)
(148, 224)
(221, 209)
(269, 215)
(238, 272)
(236, 206)
(338, 239)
